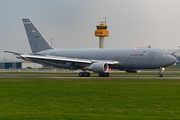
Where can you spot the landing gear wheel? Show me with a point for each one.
(160, 74)
(84, 74)
(161, 69)
(104, 74)
(81, 74)
(88, 74)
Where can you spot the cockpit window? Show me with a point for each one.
(166, 54)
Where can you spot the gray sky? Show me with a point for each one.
(71, 23)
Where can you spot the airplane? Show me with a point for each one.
(98, 60)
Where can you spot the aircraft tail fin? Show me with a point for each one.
(36, 40)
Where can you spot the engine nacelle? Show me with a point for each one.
(99, 67)
(132, 70)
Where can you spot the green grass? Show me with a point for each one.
(92, 99)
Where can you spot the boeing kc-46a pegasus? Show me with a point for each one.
(94, 59)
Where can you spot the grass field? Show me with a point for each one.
(91, 99)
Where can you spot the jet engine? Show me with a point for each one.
(132, 70)
(99, 67)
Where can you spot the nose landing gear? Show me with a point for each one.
(160, 74)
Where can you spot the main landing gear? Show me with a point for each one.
(104, 74)
(87, 74)
(84, 74)
(160, 74)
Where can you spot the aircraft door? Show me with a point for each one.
(151, 56)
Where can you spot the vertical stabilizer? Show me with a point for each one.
(36, 40)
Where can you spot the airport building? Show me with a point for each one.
(17, 64)
(27, 64)
(10, 64)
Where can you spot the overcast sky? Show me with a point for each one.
(71, 23)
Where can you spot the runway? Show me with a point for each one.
(95, 77)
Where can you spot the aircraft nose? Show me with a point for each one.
(172, 60)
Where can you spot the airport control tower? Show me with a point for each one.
(101, 32)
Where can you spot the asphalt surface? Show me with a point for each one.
(96, 77)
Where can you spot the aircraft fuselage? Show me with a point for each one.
(140, 58)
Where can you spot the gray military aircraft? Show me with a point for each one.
(94, 59)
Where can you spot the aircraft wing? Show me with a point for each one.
(65, 59)
(54, 58)
(58, 59)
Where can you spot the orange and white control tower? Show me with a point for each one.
(101, 32)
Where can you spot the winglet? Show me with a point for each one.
(15, 53)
